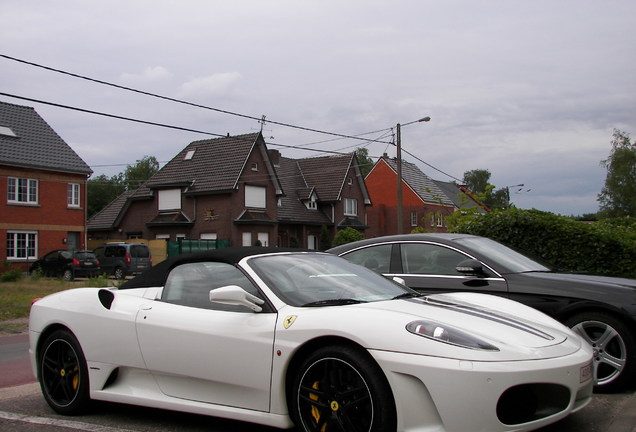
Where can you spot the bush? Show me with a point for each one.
(10, 274)
(347, 235)
(605, 248)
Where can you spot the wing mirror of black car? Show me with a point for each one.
(471, 266)
(237, 296)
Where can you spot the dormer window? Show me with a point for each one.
(7, 131)
(312, 203)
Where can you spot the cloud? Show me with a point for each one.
(213, 85)
(151, 73)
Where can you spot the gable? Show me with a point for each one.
(29, 142)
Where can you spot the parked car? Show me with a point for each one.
(67, 264)
(123, 259)
(286, 337)
(601, 309)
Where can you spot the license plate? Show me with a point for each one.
(586, 372)
(88, 264)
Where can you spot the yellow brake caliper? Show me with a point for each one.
(315, 413)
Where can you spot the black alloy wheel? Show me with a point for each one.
(63, 373)
(342, 389)
(614, 349)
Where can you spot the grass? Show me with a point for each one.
(16, 297)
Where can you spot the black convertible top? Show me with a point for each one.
(156, 276)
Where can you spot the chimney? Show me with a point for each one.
(274, 155)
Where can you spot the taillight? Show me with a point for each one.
(97, 262)
(127, 259)
(76, 262)
(150, 258)
(35, 300)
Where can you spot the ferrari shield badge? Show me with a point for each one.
(289, 321)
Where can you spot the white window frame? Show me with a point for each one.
(18, 187)
(263, 237)
(169, 199)
(247, 239)
(30, 247)
(350, 207)
(312, 204)
(255, 196)
(413, 218)
(73, 195)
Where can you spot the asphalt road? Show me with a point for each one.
(23, 409)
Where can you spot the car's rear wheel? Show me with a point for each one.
(67, 275)
(614, 349)
(63, 373)
(119, 273)
(341, 388)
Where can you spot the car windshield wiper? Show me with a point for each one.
(333, 302)
(407, 295)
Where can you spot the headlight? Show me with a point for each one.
(449, 335)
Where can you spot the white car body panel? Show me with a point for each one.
(234, 365)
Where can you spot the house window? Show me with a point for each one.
(263, 238)
(255, 166)
(351, 207)
(170, 199)
(21, 245)
(413, 218)
(312, 203)
(73, 195)
(22, 190)
(247, 239)
(255, 196)
(189, 155)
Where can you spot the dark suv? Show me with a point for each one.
(67, 264)
(123, 259)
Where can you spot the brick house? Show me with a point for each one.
(424, 204)
(44, 182)
(234, 189)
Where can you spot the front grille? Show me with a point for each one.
(529, 402)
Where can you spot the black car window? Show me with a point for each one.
(190, 284)
(139, 251)
(119, 251)
(376, 258)
(430, 259)
(52, 256)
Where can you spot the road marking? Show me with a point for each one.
(86, 427)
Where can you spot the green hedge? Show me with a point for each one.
(605, 248)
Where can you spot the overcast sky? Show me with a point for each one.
(529, 90)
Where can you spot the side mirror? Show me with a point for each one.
(470, 266)
(237, 296)
(399, 280)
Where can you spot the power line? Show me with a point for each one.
(259, 119)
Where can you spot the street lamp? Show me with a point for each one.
(399, 171)
(508, 193)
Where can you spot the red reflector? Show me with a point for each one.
(35, 300)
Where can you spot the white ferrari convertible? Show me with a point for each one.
(290, 338)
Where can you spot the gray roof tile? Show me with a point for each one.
(36, 144)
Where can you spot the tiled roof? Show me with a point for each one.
(35, 144)
(292, 209)
(107, 217)
(420, 183)
(327, 174)
(215, 165)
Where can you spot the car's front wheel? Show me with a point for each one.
(63, 373)
(341, 388)
(614, 349)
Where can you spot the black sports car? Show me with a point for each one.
(602, 309)
(67, 264)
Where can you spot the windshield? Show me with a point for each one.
(511, 260)
(307, 279)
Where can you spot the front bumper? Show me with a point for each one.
(448, 395)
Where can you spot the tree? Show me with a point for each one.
(102, 189)
(478, 182)
(364, 161)
(136, 174)
(347, 235)
(618, 196)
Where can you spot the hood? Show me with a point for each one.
(517, 331)
(602, 281)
